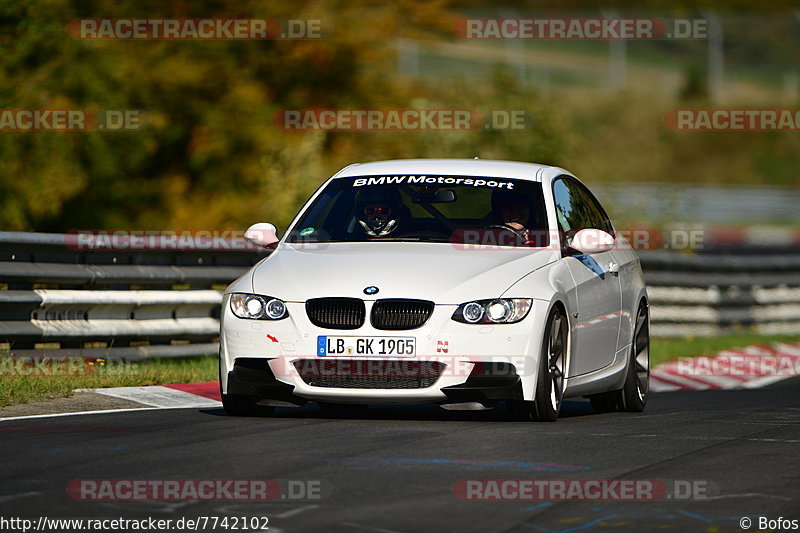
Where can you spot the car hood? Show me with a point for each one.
(439, 272)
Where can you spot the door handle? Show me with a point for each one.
(613, 269)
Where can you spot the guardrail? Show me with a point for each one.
(708, 294)
(133, 304)
(61, 298)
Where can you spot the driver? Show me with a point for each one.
(378, 211)
(512, 211)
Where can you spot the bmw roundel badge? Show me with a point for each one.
(371, 290)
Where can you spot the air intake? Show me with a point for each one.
(369, 373)
(397, 314)
(336, 313)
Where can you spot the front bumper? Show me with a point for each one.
(276, 361)
(253, 377)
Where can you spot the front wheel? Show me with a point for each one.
(552, 367)
(637, 384)
(237, 405)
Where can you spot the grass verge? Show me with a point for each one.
(22, 382)
(662, 350)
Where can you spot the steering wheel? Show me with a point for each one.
(518, 232)
(504, 226)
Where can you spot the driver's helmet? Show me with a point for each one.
(378, 210)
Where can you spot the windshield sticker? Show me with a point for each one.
(306, 231)
(440, 180)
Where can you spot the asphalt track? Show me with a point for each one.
(393, 469)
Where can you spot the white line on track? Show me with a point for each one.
(100, 412)
(4, 499)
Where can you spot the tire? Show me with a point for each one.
(632, 397)
(608, 402)
(550, 382)
(239, 405)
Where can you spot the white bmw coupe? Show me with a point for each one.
(466, 283)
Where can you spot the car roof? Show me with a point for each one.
(448, 167)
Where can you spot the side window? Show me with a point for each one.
(598, 218)
(595, 217)
(568, 211)
(576, 208)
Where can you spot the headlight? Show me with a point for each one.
(276, 309)
(472, 312)
(499, 311)
(258, 307)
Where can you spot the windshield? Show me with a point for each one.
(455, 209)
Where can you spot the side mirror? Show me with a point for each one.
(262, 234)
(591, 241)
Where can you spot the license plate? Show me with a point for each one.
(396, 346)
